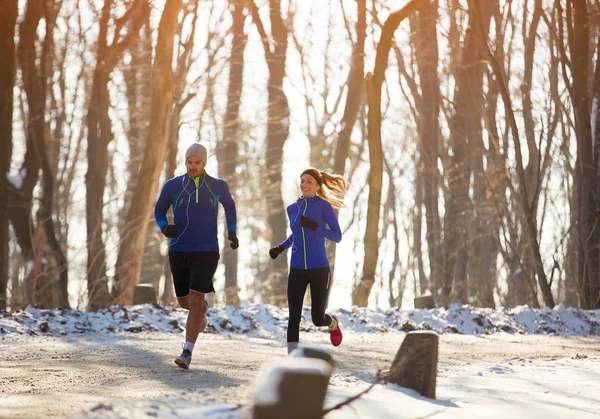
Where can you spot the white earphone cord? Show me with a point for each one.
(299, 205)
(187, 209)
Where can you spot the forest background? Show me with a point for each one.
(465, 128)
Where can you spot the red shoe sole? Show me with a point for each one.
(338, 334)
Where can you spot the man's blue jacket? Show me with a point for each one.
(195, 204)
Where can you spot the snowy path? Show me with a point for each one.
(70, 375)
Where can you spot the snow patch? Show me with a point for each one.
(265, 321)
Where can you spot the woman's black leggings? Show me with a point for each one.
(319, 280)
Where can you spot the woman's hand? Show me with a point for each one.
(308, 223)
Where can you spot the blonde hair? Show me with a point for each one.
(332, 189)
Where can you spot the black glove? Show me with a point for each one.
(169, 231)
(235, 243)
(275, 251)
(308, 223)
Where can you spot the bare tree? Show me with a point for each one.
(8, 20)
(374, 82)
(354, 92)
(138, 77)
(228, 151)
(517, 251)
(586, 185)
(181, 98)
(22, 196)
(65, 133)
(278, 124)
(322, 96)
(39, 281)
(100, 135)
(70, 128)
(424, 41)
(465, 133)
(48, 152)
(354, 100)
(523, 196)
(131, 251)
(391, 222)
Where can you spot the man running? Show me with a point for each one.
(194, 246)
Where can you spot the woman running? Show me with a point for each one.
(312, 220)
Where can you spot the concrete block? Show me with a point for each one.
(144, 294)
(424, 301)
(293, 388)
(415, 364)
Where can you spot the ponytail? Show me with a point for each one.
(333, 187)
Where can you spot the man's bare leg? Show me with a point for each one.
(194, 302)
(195, 316)
(184, 302)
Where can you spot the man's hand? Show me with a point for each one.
(235, 243)
(308, 223)
(169, 231)
(275, 251)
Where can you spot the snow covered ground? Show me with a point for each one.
(117, 362)
(265, 321)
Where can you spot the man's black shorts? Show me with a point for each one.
(193, 271)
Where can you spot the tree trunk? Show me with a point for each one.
(424, 39)
(34, 85)
(132, 246)
(138, 76)
(228, 151)
(587, 154)
(277, 132)
(533, 172)
(179, 84)
(278, 124)
(530, 226)
(58, 280)
(138, 79)
(417, 251)
(390, 212)
(168, 295)
(483, 232)
(8, 19)
(374, 82)
(354, 100)
(99, 137)
(521, 290)
(465, 140)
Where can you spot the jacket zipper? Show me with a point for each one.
(197, 182)
(303, 237)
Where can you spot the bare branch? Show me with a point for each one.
(261, 31)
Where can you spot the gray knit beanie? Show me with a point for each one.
(197, 150)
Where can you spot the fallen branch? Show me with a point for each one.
(378, 379)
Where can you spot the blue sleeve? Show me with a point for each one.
(333, 233)
(229, 206)
(287, 243)
(162, 206)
